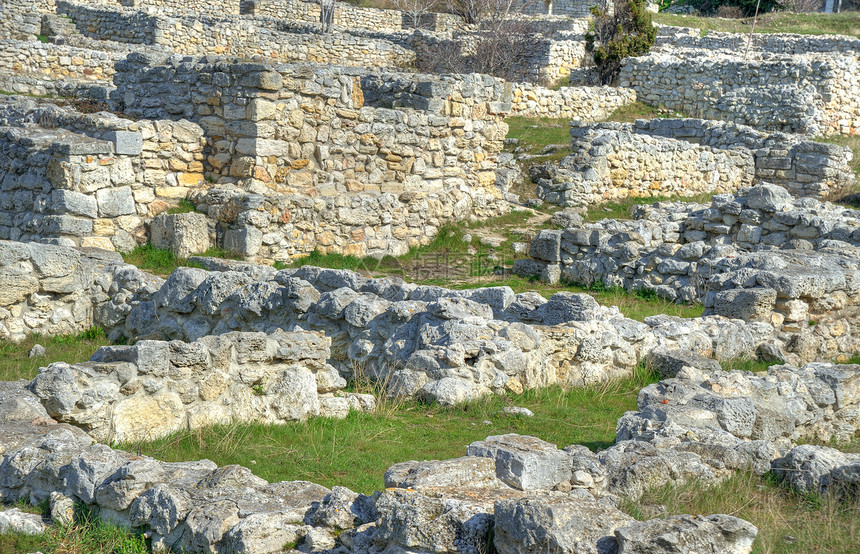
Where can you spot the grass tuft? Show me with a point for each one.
(16, 364)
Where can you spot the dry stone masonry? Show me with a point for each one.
(684, 157)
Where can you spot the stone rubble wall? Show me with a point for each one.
(349, 16)
(91, 180)
(669, 38)
(156, 388)
(757, 256)
(56, 62)
(660, 157)
(616, 160)
(206, 7)
(22, 19)
(446, 506)
(812, 95)
(237, 36)
(47, 289)
(445, 345)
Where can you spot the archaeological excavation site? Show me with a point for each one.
(416, 276)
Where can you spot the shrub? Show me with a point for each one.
(730, 12)
(617, 34)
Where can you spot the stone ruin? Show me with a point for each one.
(287, 140)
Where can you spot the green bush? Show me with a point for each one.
(626, 31)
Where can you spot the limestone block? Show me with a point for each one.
(115, 202)
(523, 462)
(126, 143)
(183, 234)
(717, 533)
(246, 241)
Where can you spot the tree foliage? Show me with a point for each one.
(619, 33)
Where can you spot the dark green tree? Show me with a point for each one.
(621, 29)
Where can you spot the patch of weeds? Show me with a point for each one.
(15, 362)
(621, 209)
(163, 262)
(184, 207)
(536, 133)
(747, 364)
(632, 112)
(845, 23)
(258, 390)
(42, 38)
(787, 521)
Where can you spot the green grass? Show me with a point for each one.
(640, 110)
(535, 133)
(788, 522)
(42, 38)
(621, 209)
(15, 364)
(845, 23)
(183, 207)
(163, 262)
(87, 535)
(853, 142)
(636, 304)
(356, 451)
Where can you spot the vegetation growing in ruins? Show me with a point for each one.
(621, 209)
(845, 23)
(87, 535)
(619, 33)
(356, 451)
(787, 521)
(16, 364)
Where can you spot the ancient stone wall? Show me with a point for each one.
(813, 95)
(683, 157)
(238, 36)
(92, 180)
(22, 19)
(775, 43)
(573, 103)
(209, 7)
(156, 388)
(47, 289)
(756, 256)
(351, 17)
(381, 179)
(56, 62)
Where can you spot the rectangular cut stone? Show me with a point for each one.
(127, 143)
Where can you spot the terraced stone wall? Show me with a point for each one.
(211, 7)
(56, 62)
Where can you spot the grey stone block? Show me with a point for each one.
(245, 241)
(114, 202)
(183, 234)
(71, 202)
(126, 143)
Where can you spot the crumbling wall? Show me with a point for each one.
(759, 255)
(209, 7)
(22, 19)
(56, 62)
(156, 388)
(669, 37)
(660, 157)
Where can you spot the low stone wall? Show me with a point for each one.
(155, 388)
(91, 180)
(55, 62)
(756, 256)
(660, 157)
(238, 36)
(809, 95)
(351, 17)
(574, 103)
(774, 43)
(207, 7)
